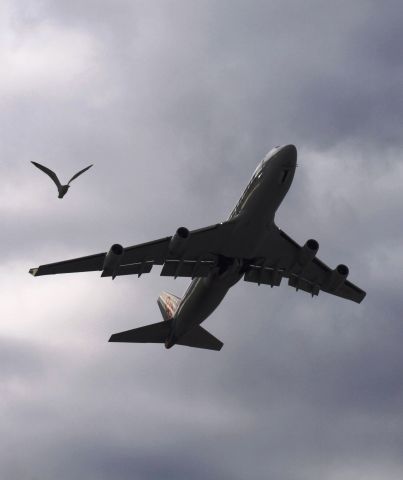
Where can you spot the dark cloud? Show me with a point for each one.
(175, 103)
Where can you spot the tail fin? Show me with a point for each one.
(168, 304)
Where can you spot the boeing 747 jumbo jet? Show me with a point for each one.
(248, 245)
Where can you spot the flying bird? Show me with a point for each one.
(62, 189)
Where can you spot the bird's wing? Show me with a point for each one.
(79, 173)
(49, 172)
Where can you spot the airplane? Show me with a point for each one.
(248, 245)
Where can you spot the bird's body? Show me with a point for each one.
(62, 189)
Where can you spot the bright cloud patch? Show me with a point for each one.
(44, 59)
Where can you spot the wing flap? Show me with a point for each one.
(187, 268)
(264, 275)
(300, 283)
(131, 269)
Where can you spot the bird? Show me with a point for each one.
(62, 189)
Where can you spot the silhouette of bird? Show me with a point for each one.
(62, 189)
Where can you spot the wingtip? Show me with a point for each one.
(33, 271)
(364, 294)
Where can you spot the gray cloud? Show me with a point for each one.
(175, 104)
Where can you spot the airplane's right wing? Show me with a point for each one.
(186, 254)
(284, 258)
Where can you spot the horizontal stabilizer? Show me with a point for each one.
(154, 333)
(198, 337)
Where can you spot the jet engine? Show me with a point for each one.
(307, 253)
(178, 242)
(112, 261)
(337, 277)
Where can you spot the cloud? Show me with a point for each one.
(43, 60)
(175, 104)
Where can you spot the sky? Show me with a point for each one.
(175, 102)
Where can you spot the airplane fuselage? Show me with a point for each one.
(252, 221)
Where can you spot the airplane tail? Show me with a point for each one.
(160, 332)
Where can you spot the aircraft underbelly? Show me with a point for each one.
(255, 220)
(207, 294)
(252, 228)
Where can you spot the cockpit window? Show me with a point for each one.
(284, 175)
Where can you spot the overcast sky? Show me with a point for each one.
(175, 102)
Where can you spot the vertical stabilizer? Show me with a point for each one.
(168, 304)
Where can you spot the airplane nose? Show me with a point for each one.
(289, 150)
(289, 154)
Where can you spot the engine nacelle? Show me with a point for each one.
(112, 261)
(337, 278)
(178, 242)
(306, 254)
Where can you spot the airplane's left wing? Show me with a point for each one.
(286, 259)
(187, 254)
